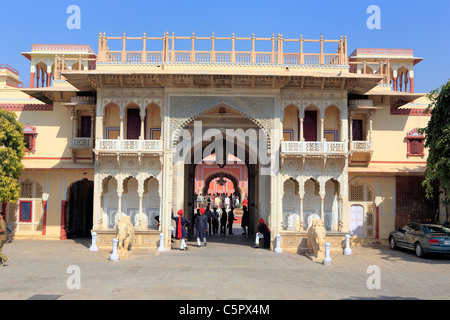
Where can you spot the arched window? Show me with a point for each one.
(30, 134)
(415, 142)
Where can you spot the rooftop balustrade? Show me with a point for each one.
(277, 55)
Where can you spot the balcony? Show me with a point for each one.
(81, 143)
(115, 146)
(118, 148)
(360, 146)
(313, 148)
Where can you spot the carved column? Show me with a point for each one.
(340, 206)
(351, 128)
(121, 133)
(142, 136)
(301, 129)
(321, 128)
(370, 125)
(141, 213)
(119, 207)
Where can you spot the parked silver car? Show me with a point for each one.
(423, 238)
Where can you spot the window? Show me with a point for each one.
(415, 143)
(30, 134)
(25, 211)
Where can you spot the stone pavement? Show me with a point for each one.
(227, 268)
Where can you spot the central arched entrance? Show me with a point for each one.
(235, 133)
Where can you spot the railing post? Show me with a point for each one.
(213, 57)
(100, 48)
(192, 48)
(124, 53)
(321, 56)
(252, 59)
(281, 50)
(273, 49)
(144, 48)
(301, 58)
(172, 49)
(345, 50)
(233, 54)
(163, 58)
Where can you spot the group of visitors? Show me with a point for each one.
(207, 222)
(217, 200)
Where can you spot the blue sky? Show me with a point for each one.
(419, 25)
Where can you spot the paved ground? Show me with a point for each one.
(228, 268)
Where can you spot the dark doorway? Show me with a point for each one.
(80, 209)
(310, 125)
(133, 124)
(85, 129)
(357, 130)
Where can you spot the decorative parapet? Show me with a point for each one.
(384, 52)
(26, 107)
(62, 47)
(313, 147)
(133, 146)
(81, 143)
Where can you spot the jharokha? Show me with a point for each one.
(102, 130)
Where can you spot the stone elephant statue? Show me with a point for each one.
(316, 238)
(125, 234)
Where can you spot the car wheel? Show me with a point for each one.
(419, 250)
(392, 243)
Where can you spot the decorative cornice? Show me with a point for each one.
(26, 107)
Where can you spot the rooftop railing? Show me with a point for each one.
(276, 55)
(8, 67)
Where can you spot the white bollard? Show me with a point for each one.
(277, 248)
(161, 243)
(327, 260)
(94, 242)
(114, 256)
(347, 250)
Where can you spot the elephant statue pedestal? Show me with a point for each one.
(316, 241)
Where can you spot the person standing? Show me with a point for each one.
(227, 203)
(223, 221)
(245, 202)
(263, 233)
(201, 226)
(3, 257)
(231, 220)
(244, 222)
(215, 221)
(217, 201)
(180, 232)
(208, 214)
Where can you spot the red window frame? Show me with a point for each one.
(415, 144)
(30, 132)
(31, 210)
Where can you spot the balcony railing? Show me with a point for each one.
(314, 147)
(81, 143)
(108, 52)
(360, 146)
(113, 145)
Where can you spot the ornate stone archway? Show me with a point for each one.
(224, 174)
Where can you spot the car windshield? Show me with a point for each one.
(435, 229)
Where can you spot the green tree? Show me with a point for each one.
(437, 135)
(11, 153)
